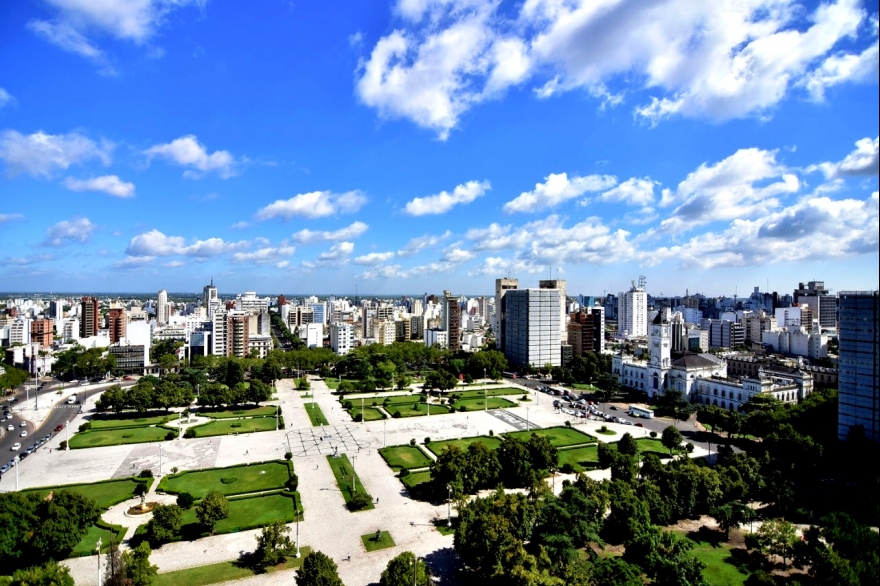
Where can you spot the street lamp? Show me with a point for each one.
(448, 506)
(527, 418)
(160, 459)
(296, 516)
(98, 548)
(354, 481)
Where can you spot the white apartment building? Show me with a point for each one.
(163, 310)
(311, 334)
(437, 336)
(250, 303)
(341, 338)
(632, 312)
(20, 331)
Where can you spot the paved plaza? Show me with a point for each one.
(328, 525)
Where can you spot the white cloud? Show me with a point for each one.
(265, 255)
(633, 191)
(187, 152)
(458, 255)
(282, 264)
(374, 258)
(445, 201)
(5, 98)
(717, 60)
(864, 161)
(398, 272)
(68, 231)
(10, 217)
(736, 187)
(420, 243)
(66, 37)
(337, 251)
(556, 189)
(316, 236)
(40, 154)
(155, 243)
(315, 204)
(131, 262)
(240, 225)
(110, 184)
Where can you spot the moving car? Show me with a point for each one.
(10, 427)
(23, 433)
(23, 424)
(59, 427)
(71, 400)
(16, 446)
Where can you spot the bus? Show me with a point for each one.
(508, 374)
(640, 412)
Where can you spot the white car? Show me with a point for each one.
(23, 424)
(23, 433)
(71, 400)
(16, 446)
(10, 427)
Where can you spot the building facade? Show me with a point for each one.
(858, 364)
(88, 317)
(632, 312)
(532, 327)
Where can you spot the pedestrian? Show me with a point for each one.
(349, 558)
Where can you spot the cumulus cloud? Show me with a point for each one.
(864, 161)
(110, 184)
(398, 272)
(10, 217)
(445, 201)
(186, 151)
(420, 243)
(747, 183)
(316, 236)
(458, 255)
(717, 60)
(556, 189)
(155, 243)
(67, 38)
(5, 98)
(132, 262)
(41, 155)
(315, 204)
(69, 231)
(265, 255)
(633, 191)
(374, 258)
(337, 251)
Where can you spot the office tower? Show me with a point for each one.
(499, 324)
(57, 308)
(219, 332)
(532, 326)
(632, 311)
(210, 299)
(586, 331)
(816, 296)
(341, 338)
(859, 365)
(417, 307)
(320, 313)
(41, 332)
(560, 285)
(163, 310)
(116, 322)
(452, 320)
(88, 317)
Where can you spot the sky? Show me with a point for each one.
(414, 146)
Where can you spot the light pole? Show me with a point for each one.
(296, 515)
(527, 418)
(485, 399)
(180, 426)
(449, 506)
(98, 548)
(67, 431)
(17, 460)
(354, 481)
(553, 475)
(160, 459)
(384, 426)
(362, 410)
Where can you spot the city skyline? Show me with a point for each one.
(424, 146)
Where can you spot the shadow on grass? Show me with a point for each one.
(748, 562)
(704, 534)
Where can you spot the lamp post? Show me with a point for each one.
(384, 426)
(180, 426)
(449, 506)
(354, 481)
(98, 548)
(485, 399)
(362, 410)
(17, 460)
(527, 418)
(160, 459)
(296, 515)
(67, 431)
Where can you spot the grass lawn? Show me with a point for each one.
(414, 478)
(720, 565)
(649, 445)
(129, 420)
(89, 542)
(478, 404)
(227, 481)
(398, 457)
(105, 494)
(116, 437)
(416, 409)
(343, 471)
(443, 527)
(369, 413)
(316, 416)
(242, 411)
(581, 459)
(373, 544)
(244, 513)
(491, 392)
(235, 426)
(221, 572)
(559, 437)
(396, 400)
(490, 442)
(585, 387)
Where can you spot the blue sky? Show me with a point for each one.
(421, 145)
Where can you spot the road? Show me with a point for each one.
(60, 413)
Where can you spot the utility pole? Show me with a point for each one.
(527, 418)
(353, 477)
(98, 548)
(17, 461)
(296, 514)
(67, 430)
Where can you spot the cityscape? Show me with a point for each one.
(440, 292)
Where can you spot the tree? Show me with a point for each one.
(516, 462)
(114, 573)
(63, 522)
(671, 438)
(627, 445)
(49, 574)
(234, 373)
(777, 537)
(165, 524)
(401, 570)
(731, 516)
(258, 391)
(613, 571)
(674, 403)
(318, 570)
(273, 545)
(214, 507)
(666, 557)
(137, 565)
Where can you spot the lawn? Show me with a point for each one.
(116, 437)
(316, 416)
(220, 572)
(235, 426)
(344, 472)
(414, 478)
(581, 459)
(244, 513)
(648, 446)
(398, 457)
(490, 392)
(416, 409)
(372, 544)
(369, 413)
(88, 544)
(560, 437)
(129, 420)
(242, 411)
(463, 443)
(228, 481)
(105, 494)
(720, 566)
(479, 404)
(396, 400)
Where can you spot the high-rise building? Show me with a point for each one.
(586, 330)
(41, 332)
(116, 322)
(210, 299)
(560, 285)
(499, 323)
(532, 327)
(858, 381)
(250, 303)
(238, 333)
(341, 338)
(452, 320)
(88, 317)
(632, 311)
(817, 297)
(163, 310)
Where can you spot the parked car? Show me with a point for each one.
(5, 468)
(59, 427)
(127, 378)
(31, 450)
(47, 437)
(16, 446)
(640, 425)
(613, 408)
